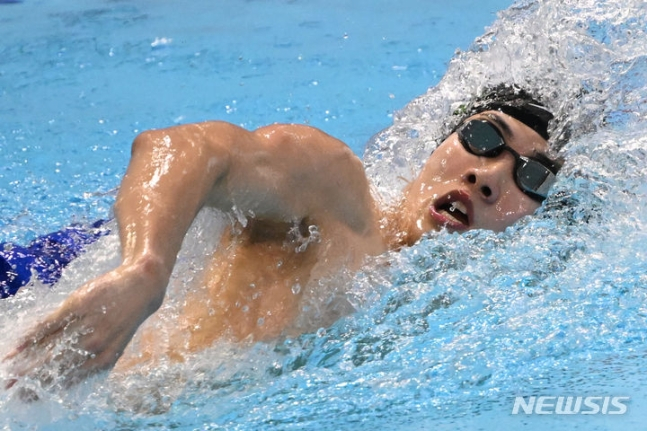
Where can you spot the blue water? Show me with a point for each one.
(447, 332)
(77, 82)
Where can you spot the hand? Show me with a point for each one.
(89, 331)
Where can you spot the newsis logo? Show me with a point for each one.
(559, 405)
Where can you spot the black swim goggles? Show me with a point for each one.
(533, 176)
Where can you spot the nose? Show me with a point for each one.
(487, 180)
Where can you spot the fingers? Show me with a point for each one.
(26, 364)
(50, 353)
(85, 335)
(58, 365)
(62, 355)
(38, 335)
(28, 357)
(31, 339)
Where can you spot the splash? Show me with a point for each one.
(582, 58)
(457, 325)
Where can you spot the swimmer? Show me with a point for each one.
(309, 214)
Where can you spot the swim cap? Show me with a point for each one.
(515, 102)
(518, 103)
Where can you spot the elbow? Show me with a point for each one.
(211, 137)
(143, 141)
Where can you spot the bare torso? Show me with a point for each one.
(254, 285)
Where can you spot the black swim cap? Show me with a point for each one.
(518, 103)
(515, 102)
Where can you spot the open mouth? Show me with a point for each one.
(453, 210)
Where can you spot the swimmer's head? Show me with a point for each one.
(518, 103)
(492, 169)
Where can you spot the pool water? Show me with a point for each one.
(448, 332)
(77, 82)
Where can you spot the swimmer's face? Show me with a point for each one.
(461, 191)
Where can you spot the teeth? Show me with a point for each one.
(458, 206)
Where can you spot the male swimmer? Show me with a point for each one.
(297, 186)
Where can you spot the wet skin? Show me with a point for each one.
(485, 186)
(284, 179)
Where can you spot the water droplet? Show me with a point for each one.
(296, 289)
(240, 216)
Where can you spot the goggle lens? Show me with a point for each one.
(481, 138)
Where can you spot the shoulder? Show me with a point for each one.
(323, 171)
(328, 171)
(311, 148)
(295, 171)
(299, 135)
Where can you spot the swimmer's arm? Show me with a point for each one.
(279, 172)
(170, 175)
(288, 172)
(284, 172)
